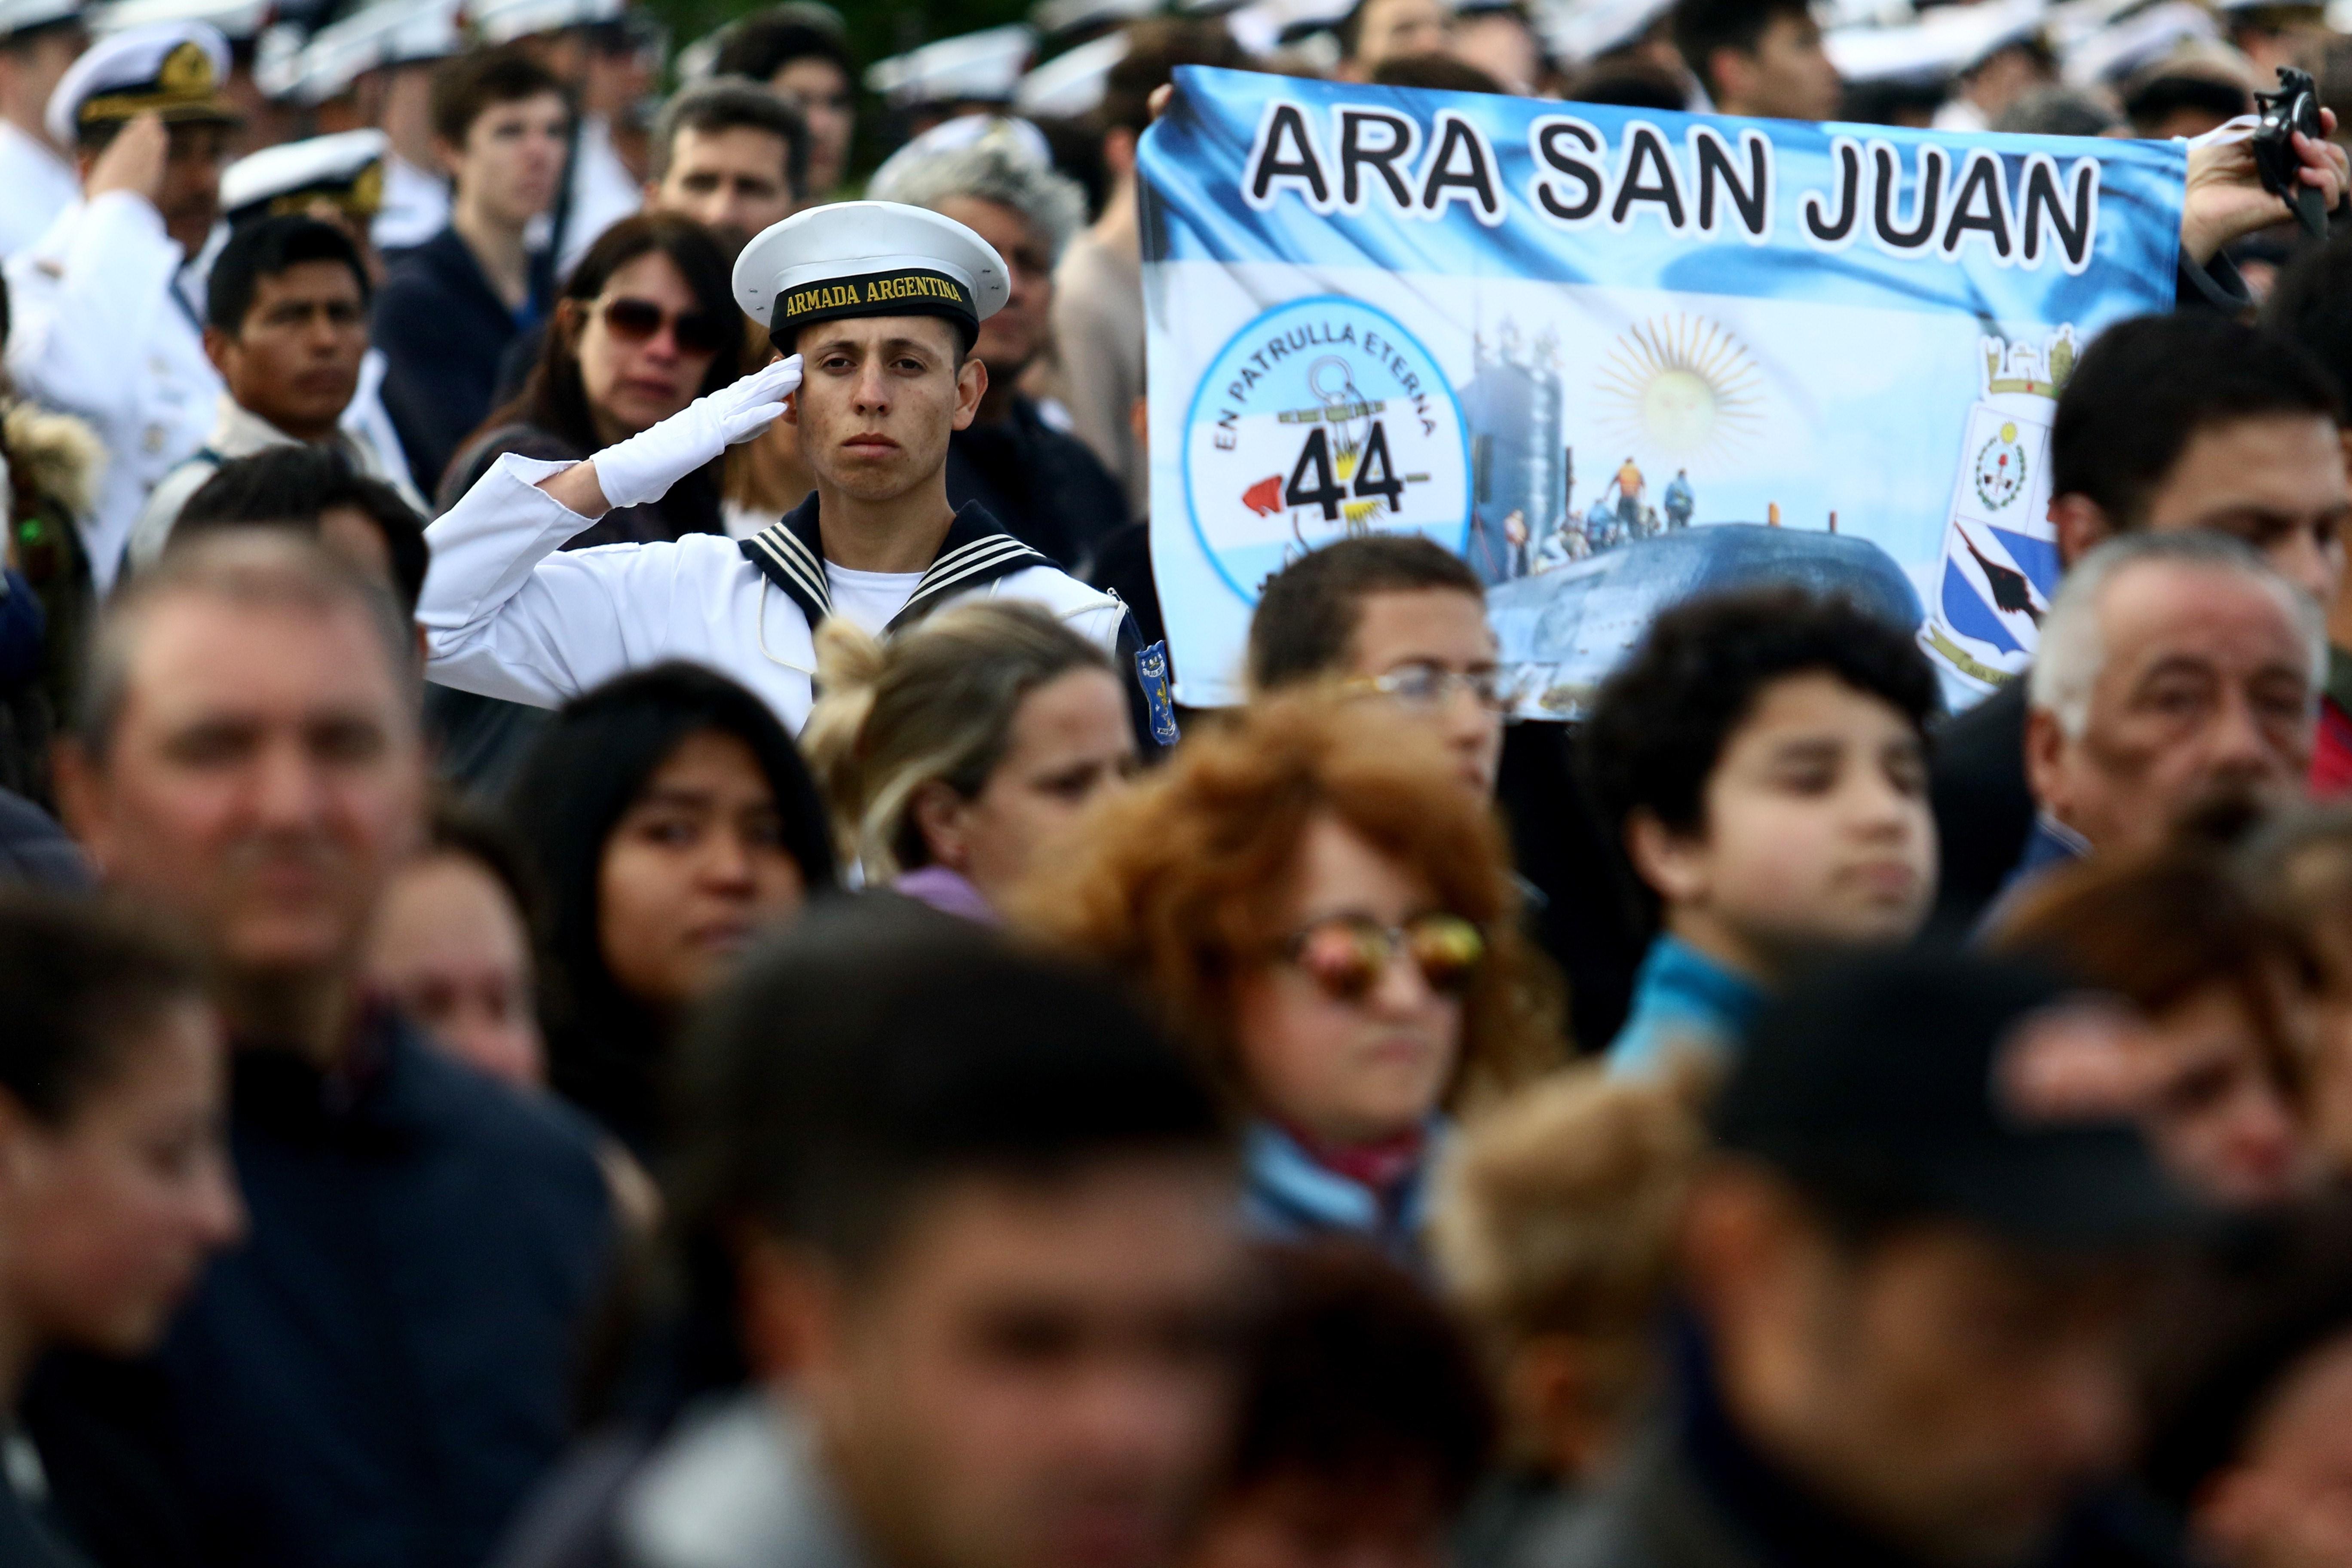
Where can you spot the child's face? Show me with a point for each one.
(1817, 832)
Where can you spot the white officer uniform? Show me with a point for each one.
(506, 615)
(382, 35)
(37, 181)
(108, 321)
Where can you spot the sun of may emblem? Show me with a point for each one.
(2001, 469)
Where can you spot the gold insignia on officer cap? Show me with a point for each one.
(175, 69)
(346, 168)
(867, 259)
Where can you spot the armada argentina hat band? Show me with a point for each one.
(901, 291)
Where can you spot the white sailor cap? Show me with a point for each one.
(1018, 139)
(238, 20)
(504, 21)
(24, 16)
(1051, 16)
(173, 67)
(867, 259)
(1262, 26)
(1944, 42)
(1073, 83)
(2121, 49)
(388, 33)
(1588, 32)
(346, 168)
(977, 68)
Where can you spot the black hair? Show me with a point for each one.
(293, 486)
(265, 249)
(879, 1049)
(760, 46)
(1155, 48)
(1701, 26)
(467, 87)
(2311, 305)
(1355, 1379)
(2147, 385)
(1662, 720)
(2151, 102)
(80, 982)
(1436, 70)
(734, 103)
(1630, 83)
(1307, 612)
(581, 775)
(554, 397)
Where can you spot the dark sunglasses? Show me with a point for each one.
(1346, 954)
(640, 321)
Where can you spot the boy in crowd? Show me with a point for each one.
(1763, 756)
(1762, 57)
(450, 306)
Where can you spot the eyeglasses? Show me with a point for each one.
(696, 331)
(1431, 686)
(1346, 954)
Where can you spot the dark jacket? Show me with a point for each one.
(379, 1375)
(1046, 489)
(443, 330)
(35, 849)
(1691, 1493)
(1976, 783)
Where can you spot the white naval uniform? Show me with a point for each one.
(238, 432)
(368, 424)
(416, 206)
(602, 194)
(35, 185)
(508, 614)
(105, 329)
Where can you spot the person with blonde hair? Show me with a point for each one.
(1316, 903)
(949, 754)
(1553, 1231)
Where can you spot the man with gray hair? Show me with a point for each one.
(379, 1373)
(1017, 458)
(2177, 673)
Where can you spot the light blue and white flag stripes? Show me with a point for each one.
(1614, 356)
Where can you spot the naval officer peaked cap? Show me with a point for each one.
(176, 68)
(867, 259)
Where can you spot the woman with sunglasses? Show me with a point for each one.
(646, 324)
(1314, 901)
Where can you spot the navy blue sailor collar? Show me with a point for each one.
(789, 552)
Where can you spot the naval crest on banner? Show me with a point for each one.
(2000, 563)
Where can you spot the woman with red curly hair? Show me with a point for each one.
(1308, 895)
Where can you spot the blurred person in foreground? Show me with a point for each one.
(671, 823)
(2178, 673)
(980, 1301)
(1911, 1262)
(315, 491)
(2219, 1071)
(1048, 490)
(1320, 910)
(115, 1185)
(2301, 867)
(1362, 1424)
(339, 1389)
(1554, 1235)
(2249, 448)
(1761, 756)
(962, 753)
(453, 947)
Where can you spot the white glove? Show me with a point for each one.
(643, 468)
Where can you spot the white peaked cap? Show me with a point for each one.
(853, 239)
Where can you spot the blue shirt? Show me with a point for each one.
(1289, 1195)
(1681, 997)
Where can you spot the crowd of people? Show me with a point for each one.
(614, 952)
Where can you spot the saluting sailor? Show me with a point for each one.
(881, 303)
(109, 313)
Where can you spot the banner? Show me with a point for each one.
(1613, 357)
